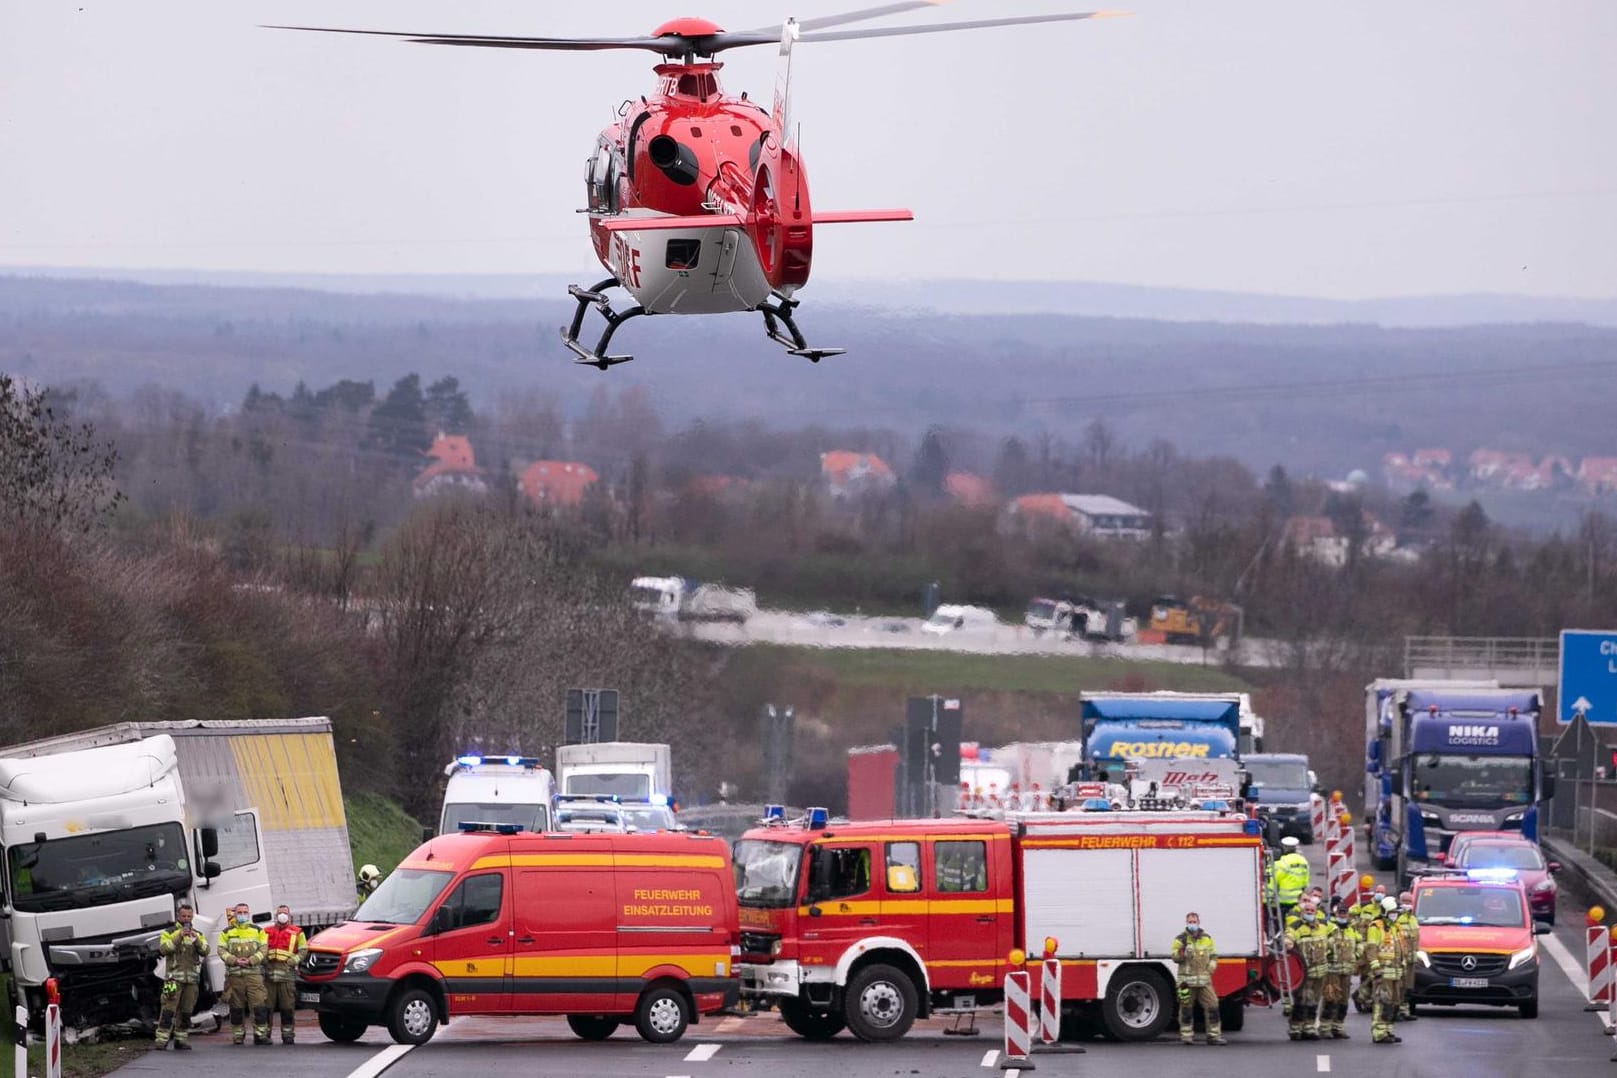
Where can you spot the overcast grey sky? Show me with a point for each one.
(1346, 150)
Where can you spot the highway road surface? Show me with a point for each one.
(1563, 1042)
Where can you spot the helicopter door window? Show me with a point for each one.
(596, 180)
(683, 254)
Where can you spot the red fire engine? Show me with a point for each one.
(870, 925)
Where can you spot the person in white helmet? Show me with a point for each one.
(370, 877)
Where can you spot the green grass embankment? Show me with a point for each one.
(380, 833)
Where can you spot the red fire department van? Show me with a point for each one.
(602, 928)
(868, 926)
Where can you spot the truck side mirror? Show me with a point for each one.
(211, 870)
(1546, 782)
(1396, 783)
(209, 838)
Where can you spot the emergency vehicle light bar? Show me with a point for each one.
(500, 828)
(1496, 874)
(818, 818)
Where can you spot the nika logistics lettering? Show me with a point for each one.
(1153, 749)
(1473, 735)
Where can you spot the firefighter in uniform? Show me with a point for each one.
(1197, 958)
(370, 877)
(1310, 940)
(183, 948)
(241, 948)
(1386, 947)
(1291, 877)
(285, 946)
(1409, 926)
(1341, 960)
(1368, 910)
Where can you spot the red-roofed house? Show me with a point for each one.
(1497, 468)
(848, 473)
(969, 490)
(1598, 475)
(1432, 458)
(1048, 506)
(556, 482)
(452, 467)
(1317, 538)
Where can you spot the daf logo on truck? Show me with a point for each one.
(1473, 735)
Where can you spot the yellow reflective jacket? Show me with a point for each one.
(1197, 958)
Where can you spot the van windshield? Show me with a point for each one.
(1493, 907)
(1278, 774)
(404, 896)
(766, 872)
(534, 818)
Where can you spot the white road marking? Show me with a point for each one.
(1570, 966)
(702, 1053)
(991, 1057)
(1323, 1064)
(381, 1061)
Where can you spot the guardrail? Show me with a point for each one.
(1427, 656)
(1597, 882)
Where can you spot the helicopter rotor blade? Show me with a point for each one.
(668, 46)
(975, 24)
(846, 17)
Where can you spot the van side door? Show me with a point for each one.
(566, 957)
(472, 944)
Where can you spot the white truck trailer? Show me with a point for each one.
(627, 770)
(105, 831)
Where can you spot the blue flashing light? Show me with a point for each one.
(774, 812)
(659, 799)
(513, 760)
(1215, 806)
(498, 828)
(1252, 827)
(1496, 875)
(1097, 804)
(470, 761)
(818, 818)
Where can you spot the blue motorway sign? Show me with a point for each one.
(1588, 676)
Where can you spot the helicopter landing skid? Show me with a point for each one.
(595, 296)
(779, 314)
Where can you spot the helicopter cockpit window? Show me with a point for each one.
(602, 181)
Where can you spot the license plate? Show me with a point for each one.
(308, 997)
(1468, 982)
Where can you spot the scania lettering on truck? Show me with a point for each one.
(602, 928)
(497, 789)
(869, 926)
(107, 830)
(1451, 760)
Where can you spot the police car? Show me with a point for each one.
(1477, 941)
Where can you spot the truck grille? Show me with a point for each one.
(758, 942)
(1454, 965)
(319, 964)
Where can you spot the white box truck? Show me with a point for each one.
(105, 831)
(627, 770)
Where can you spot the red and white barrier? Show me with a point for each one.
(1316, 805)
(53, 1041)
(1602, 982)
(1345, 880)
(1050, 1002)
(1018, 1023)
(21, 1040)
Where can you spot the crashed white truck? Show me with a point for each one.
(106, 831)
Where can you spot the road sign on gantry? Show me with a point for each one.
(1588, 677)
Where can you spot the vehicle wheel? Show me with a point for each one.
(592, 1027)
(1139, 1004)
(662, 1016)
(412, 1017)
(342, 1028)
(810, 1024)
(1232, 1015)
(880, 1004)
(1529, 1009)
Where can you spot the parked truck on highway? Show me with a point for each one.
(105, 831)
(680, 599)
(1444, 759)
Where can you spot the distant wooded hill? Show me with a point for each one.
(1320, 399)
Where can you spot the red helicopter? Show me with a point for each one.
(698, 201)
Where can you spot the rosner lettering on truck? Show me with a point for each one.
(1150, 749)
